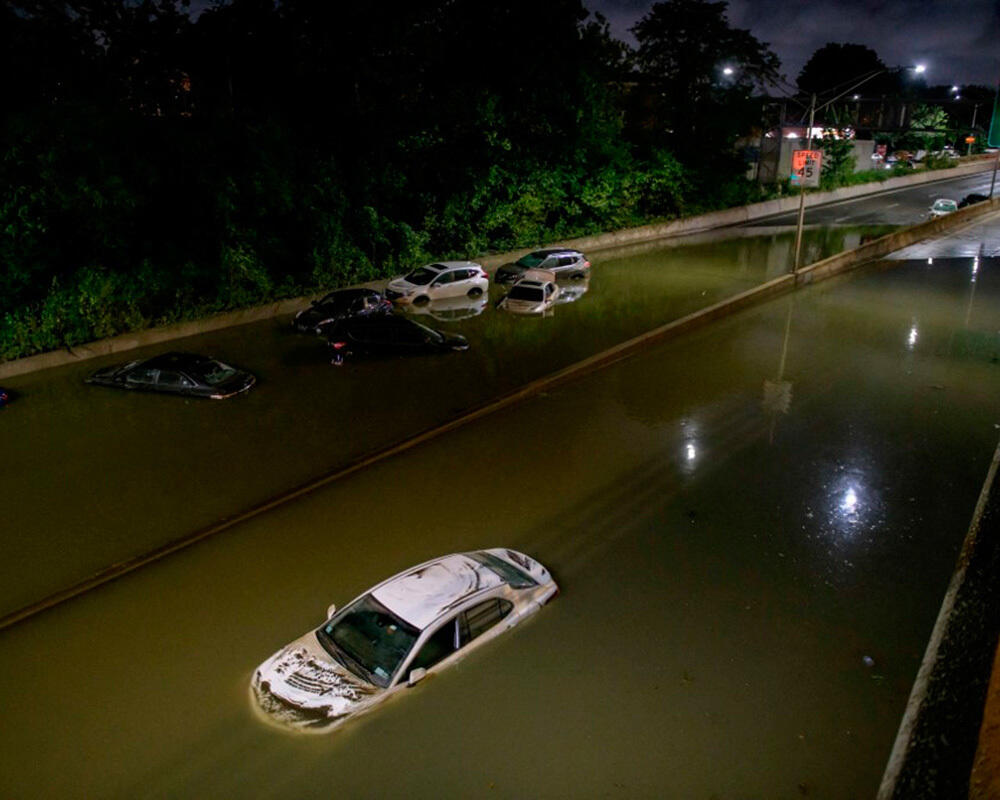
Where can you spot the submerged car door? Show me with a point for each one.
(458, 632)
(444, 285)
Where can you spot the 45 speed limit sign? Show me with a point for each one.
(806, 165)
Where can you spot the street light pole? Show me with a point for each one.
(975, 110)
(918, 68)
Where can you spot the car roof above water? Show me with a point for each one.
(421, 595)
(178, 361)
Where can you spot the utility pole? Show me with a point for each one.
(802, 191)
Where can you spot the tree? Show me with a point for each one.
(840, 65)
(689, 102)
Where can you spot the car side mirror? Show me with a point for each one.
(416, 675)
(331, 611)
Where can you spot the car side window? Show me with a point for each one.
(548, 290)
(480, 618)
(565, 261)
(443, 278)
(442, 643)
(142, 375)
(173, 379)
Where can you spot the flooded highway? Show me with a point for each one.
(93, 476)
(752, 526)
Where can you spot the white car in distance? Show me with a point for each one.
(942, 207)
(535, 293)
(415, 623)
(437, 281)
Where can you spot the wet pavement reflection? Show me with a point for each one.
(752, 527)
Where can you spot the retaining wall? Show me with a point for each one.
(679, 227)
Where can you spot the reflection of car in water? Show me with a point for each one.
(941, 207)
(388, 335)
(417, 622)
(534, 293)
(435, 281)
(339, 305)
(177, 373)
(450, 309)
(571, 291)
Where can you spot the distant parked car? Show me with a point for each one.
(941, 207)
(450, 309)
(421, 621)
(340, 304)
(561, 261)
(969, 199)
(436, 281)
(388, 335)
(535, 293)
(177, 373)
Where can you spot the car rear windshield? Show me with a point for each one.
(526, 293)
(369, 640)
(212, 372)
(531, 260)
(510, 574)
(339, 301)
(422, 276)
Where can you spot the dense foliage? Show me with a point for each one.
(159, 164)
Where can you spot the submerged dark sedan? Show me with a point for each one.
(390, 335)
(340, 305)
(177, 373)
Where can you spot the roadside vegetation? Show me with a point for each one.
(160, 166)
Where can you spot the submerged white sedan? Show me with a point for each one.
(419, 621)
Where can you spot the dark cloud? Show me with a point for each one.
(959, 41)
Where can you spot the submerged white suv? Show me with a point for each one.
(434, 281)
(419, 621)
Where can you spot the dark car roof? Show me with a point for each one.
(348, 294)
(554, 250)
(178, 361)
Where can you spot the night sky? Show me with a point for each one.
(959, 41)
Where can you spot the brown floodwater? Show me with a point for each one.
(752, 526)
(93, 476)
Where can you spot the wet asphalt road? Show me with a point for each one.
(752, 526)
(900, 207)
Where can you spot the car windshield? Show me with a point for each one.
(510, 574)
(211, 372)
(422, 276)
(369, 640)
(526, 293)
(531, 260)
(944, 205)
(433, 334)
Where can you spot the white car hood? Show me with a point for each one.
(303, 677)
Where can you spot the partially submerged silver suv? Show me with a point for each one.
(560, 260)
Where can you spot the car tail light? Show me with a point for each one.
(338, 345)
(586, 263)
